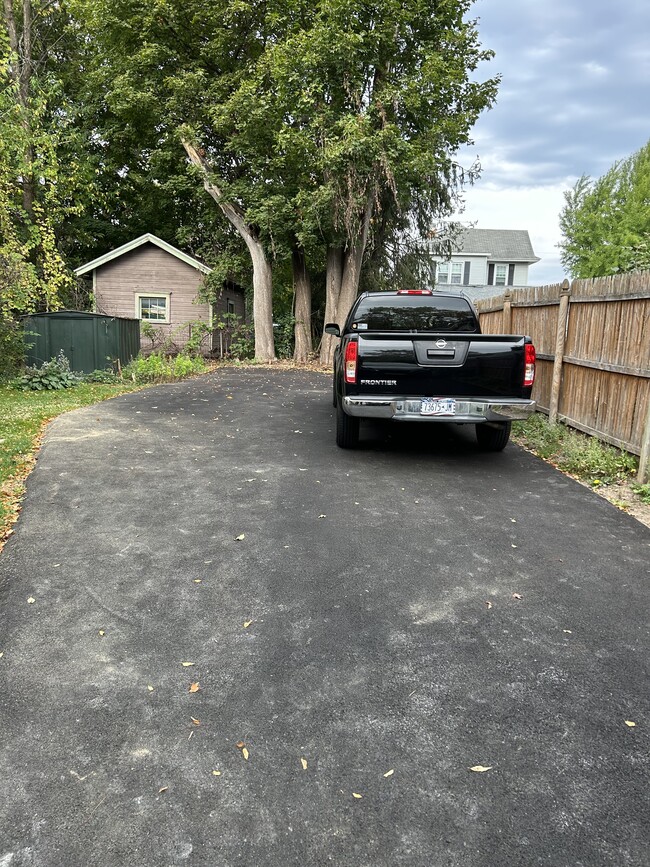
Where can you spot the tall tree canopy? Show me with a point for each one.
(606, 223)
(319, 128)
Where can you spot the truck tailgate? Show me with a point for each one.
(440, 365)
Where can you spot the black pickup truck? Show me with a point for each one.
(420, 356)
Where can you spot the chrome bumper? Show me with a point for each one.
(468, 410)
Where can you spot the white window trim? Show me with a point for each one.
(138, 311)
(456, 274)
(498, 265)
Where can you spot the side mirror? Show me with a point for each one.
(332, 328)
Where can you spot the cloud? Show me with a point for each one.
(571, 101)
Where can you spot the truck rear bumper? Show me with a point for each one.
(467, 410)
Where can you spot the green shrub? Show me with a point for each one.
(284, 335)
(642, 491)
(242, 342)
(12, 346)
(52, 375)
(158, 367)
(583, 456)
(102, 376)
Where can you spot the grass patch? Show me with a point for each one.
(582, 456)
(23, 415)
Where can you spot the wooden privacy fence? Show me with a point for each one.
(593, 353)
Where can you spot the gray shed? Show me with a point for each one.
(90, 341)
(161, 285)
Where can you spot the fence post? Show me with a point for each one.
(560, 338)
(644, 457)
(506, 316)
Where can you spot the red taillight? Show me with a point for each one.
(351, 353)
(529, 364)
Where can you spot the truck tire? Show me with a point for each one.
(493, 438)
(347, 429)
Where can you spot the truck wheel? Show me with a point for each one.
(493, 438)
(347, 429)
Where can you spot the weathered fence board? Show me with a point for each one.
(593, 343)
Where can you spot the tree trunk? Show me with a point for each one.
(343, 274)
(262, 276)
(302, 313)
(333, 280)
(21, 72)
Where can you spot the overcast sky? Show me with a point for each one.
(574, 98)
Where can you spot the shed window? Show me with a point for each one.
(153, 308)
(231, 306)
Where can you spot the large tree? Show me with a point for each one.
(43, 175)
(605, 223)
(307, 122)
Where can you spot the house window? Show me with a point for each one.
(500, 273)
(450, 272)
(231, 306)
(152, 308)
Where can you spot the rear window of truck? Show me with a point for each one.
(414, 313)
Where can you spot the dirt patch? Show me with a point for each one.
(623, 497)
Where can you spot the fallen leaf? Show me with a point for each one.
(488, 603)
(197, 580)
(389, 773)
(481, 769)
(163, 789)
(247, 623)
(187, 664)
(628, 722)
(2, 654)
(303, 762)
(31, 600)
(513, 546)
(101, 632)
(194, 687)
(568, 631)
(216, 773)
(516, 596)
(150, 687)
(356, 795)
(197, 722)
(240, 745)
(322, 516)
(240, 538)
(244, 753)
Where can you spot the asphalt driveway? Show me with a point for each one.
(225, 641)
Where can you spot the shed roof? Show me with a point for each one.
(138, 242)
(509, 245)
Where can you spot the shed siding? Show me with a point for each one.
(149, 269)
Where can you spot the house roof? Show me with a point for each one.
(503, 245)
(138, 242)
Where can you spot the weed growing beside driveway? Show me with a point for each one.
(607, 470)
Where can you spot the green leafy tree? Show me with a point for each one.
(307, 122)
(45, 177)
(606, 223)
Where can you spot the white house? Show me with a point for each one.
(487, 261)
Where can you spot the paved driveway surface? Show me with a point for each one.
(371, 652)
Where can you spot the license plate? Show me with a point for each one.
(437, 406)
